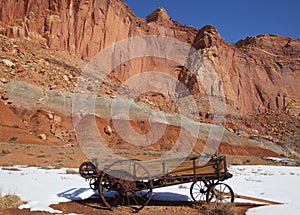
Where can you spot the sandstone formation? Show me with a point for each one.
(257, 73)
(47, 44)
(81, 27)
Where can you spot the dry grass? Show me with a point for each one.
(71, 171)
(10, 168)
(9, 201)
(219, 209)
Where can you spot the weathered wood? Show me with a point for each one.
(257, 199)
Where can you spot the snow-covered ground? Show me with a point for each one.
(275, 183)
(43, 187)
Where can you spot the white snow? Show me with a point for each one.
(275, 183)
(40, 188)
(280, 160)
(43, 187)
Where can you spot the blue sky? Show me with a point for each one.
(234, 19)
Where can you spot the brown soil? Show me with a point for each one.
(72, 156)
(40, 155)
(91, 206)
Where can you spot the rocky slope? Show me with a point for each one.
(39, 112)
(47, 43)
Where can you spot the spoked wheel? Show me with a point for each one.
(220, 193)
(94, 183)
(125, 183)
(87, 170)
(198, 191)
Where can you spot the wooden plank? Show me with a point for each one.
(199, 170)
(169, 167)
(257, 199)
(186, 168)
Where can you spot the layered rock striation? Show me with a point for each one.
(81, 27)
(255, 74)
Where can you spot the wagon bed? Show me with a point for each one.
(215, 167)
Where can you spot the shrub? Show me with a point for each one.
(71, 171)
(182, 186)
(219, 209)
(9, 201)
(10, 168)
(13, 139)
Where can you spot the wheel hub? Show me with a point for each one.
(127, 187)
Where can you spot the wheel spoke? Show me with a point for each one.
(128, 201)
(133, 197)
(123, 198)
(196, 197)
(137, 168)
(223, 191)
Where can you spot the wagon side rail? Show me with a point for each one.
(216, 166)
(214, 170)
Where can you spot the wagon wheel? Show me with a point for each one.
(94, 183)
(220, 193)
(125, 183)
(198, 191)
(87, 170)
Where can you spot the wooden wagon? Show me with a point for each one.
(128, 182)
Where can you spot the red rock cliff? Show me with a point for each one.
(257, 73)
(82, 27)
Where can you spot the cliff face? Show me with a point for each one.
(81, 27)
(274, 67)
(256, 73)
